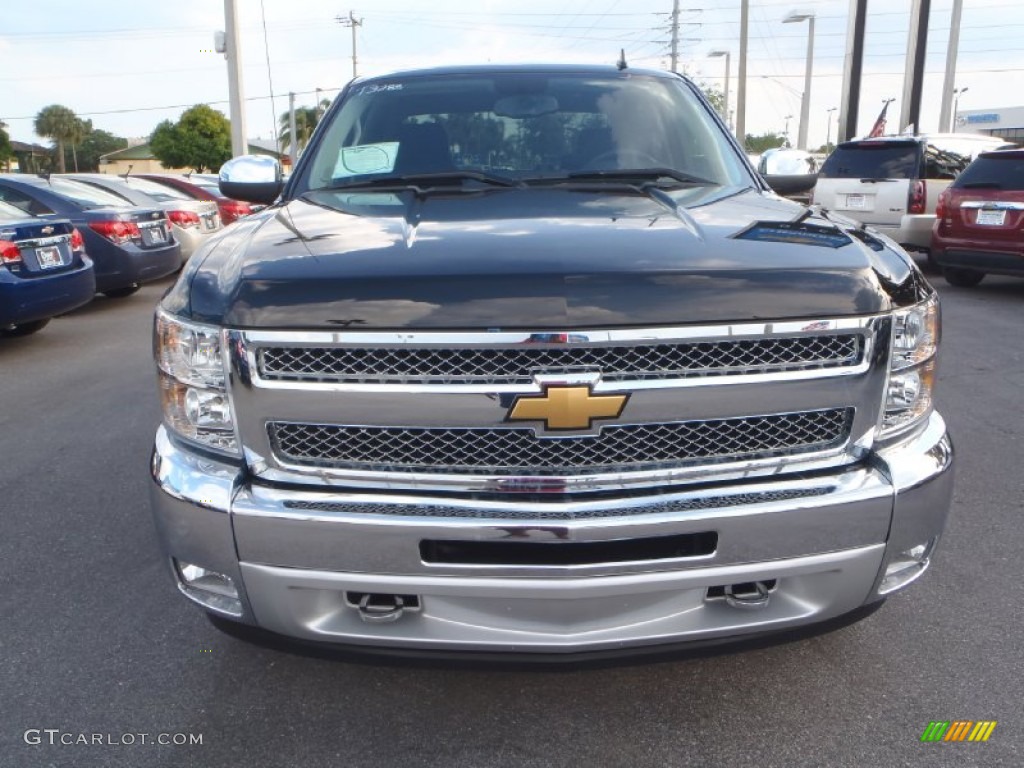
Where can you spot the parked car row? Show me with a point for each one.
(893, 183)
(65, 237)
(959, 199)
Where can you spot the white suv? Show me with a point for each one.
(893, 182)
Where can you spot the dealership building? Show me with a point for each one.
(1007, 123)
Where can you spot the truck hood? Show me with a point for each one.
(548, 257)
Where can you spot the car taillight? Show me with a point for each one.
(918, 197)
(234, 209)
(184, 218)
(77, 242)
(10, 253)
(117, 232)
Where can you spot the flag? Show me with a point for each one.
(879, 127)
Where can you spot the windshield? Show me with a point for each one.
(873, 160)
(521, 126)
(86, 195)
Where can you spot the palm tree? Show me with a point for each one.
(59, 123)
(306, 119)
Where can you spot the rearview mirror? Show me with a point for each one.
(253, 178)
(525, 105)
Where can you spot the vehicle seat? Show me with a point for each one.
(423, 148)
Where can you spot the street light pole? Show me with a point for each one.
(788, 118)
(741, 85)
(828, 131)
(236, 97)
(725, 106)
(956, 105)
(805, 101)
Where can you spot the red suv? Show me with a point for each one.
(979, 220)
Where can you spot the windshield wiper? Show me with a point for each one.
(421, 181)
(643, 176)
(981, 185)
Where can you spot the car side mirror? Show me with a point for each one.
(253, 178)
(789, 172)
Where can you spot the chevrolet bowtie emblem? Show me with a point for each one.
(565, 407)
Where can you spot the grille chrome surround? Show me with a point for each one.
(616, 448)
(435, 364)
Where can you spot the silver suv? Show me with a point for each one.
(893, 182)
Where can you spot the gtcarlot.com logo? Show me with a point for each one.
(56, 736)
(958, 730)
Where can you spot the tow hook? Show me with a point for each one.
(752, 595)
(381, 609)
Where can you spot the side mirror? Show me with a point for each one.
(789, 172)
(253, 178)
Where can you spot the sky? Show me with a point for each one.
(129, 64)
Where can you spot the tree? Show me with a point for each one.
(200, 140)
(95, 143)
(59, 123)
(763, 142)
(306, 119)
(6, 151)
(717, 98)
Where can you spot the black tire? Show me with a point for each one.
(962, 278)
(25, 329)
(120, 293)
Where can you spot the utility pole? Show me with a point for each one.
(352, 22)
(293, 148)
(675, 36)
(828, 130)
(233, 53)
(949, 83)
(852, 70)
(913, 80)
(741, 86)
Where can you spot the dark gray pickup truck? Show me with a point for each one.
(530, 359)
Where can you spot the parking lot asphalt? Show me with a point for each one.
(96, 640)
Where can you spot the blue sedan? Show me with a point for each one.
(44, 271)
(129, 245)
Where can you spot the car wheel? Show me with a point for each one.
(962, 278)
(24, 329)
(120, 293)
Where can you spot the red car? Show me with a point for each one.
(979, 220)
(204, 189)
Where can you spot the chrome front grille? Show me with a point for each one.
(502, 451)
(517, 365)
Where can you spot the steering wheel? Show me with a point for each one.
(622, 158)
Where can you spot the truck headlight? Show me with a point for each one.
(908, 400)
(193, 382)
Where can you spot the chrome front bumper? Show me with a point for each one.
(301, 558)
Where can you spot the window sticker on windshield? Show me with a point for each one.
(366, 158)
(366, 90)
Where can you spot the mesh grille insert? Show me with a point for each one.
(519, 451)
(516, 365)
